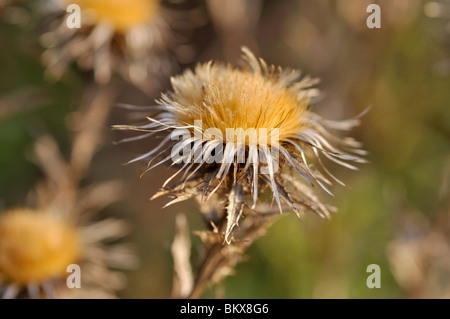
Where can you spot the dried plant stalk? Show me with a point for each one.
(221, 257)
(181, 252)
(223, 249)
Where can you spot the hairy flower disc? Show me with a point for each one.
(223, 97)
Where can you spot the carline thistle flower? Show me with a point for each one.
(129, 37)
(37, 246)
(235, 132)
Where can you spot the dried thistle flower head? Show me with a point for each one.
(37, 246)
(235, 131)
(129, 37)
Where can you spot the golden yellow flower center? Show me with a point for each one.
(223, 98)
(35, 246)
(122, 14)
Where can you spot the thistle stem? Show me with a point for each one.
(221, 258)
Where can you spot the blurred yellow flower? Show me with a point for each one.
(36, 246)
(128, 37)
(122, 14)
